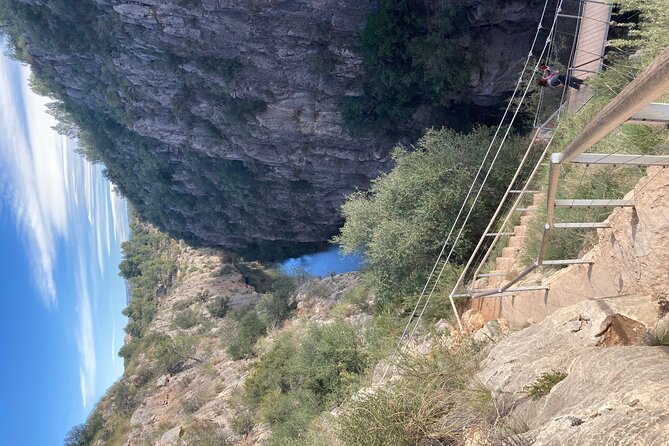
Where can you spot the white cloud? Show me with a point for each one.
(86, 346)
(113, 344)
(35, 161)
(119, 214)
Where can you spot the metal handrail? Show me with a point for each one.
(643, 90)
(499, 208)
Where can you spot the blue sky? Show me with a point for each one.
(61, 226)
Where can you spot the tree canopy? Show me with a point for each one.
(402, 222)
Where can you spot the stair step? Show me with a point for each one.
(526, 219)
(621, 160)
(493, 274)
(511, 251)
(493, 292)
(520, 230)
(583, 225)
(516, 241)
(504, 263)
(538, 199)
(496, 282)
(567, 262)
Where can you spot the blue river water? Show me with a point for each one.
(324, 263)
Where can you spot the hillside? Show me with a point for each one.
(590, 373)
(184, 381)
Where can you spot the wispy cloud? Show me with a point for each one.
(113, 345)
(35, 161)
(86, 343)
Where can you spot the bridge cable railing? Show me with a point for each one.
(432, 278)
(648, 86)
(440, 259)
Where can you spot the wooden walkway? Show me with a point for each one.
(590, 46)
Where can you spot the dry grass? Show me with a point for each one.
(436, 401)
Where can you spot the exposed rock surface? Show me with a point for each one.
(203, 390)
(612, 395)
(317, 297)
(216, 118)
(200, 403)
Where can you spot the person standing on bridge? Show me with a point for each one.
(554, 79)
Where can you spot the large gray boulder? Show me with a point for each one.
(611, 396)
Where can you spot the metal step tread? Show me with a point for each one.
(586, 203)
(584, 225)
(653, 113)
(567, 262)
(491, 292)
(495, 274)
(618, 160)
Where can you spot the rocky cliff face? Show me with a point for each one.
(220, 119)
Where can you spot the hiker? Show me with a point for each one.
(554, 79)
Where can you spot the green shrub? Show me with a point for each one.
(172, 354)
(331, 357)
(124, 397)
(219, 306)
(249, 331)
(289, 414)
(243, 420)
(240, 109)
(303, 374)
(543, 385)
(194, 403)
(206, 433)
(224, 270)
(149, 265)
(272, 309)
(414, 56)
(84, 434)
(658, 335)
(127, 351)
(275, 369)
(181, 305)
(228, 69)
(202, 296)
(381, 337)
(650, 33)
(187, 319)
(401, 223)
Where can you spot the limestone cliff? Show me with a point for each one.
(220, 120)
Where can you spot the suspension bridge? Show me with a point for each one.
(572, 36)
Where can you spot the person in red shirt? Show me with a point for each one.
(554, 79)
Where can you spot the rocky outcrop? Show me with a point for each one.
(172, 405)
(220, 119)
(611, 395)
